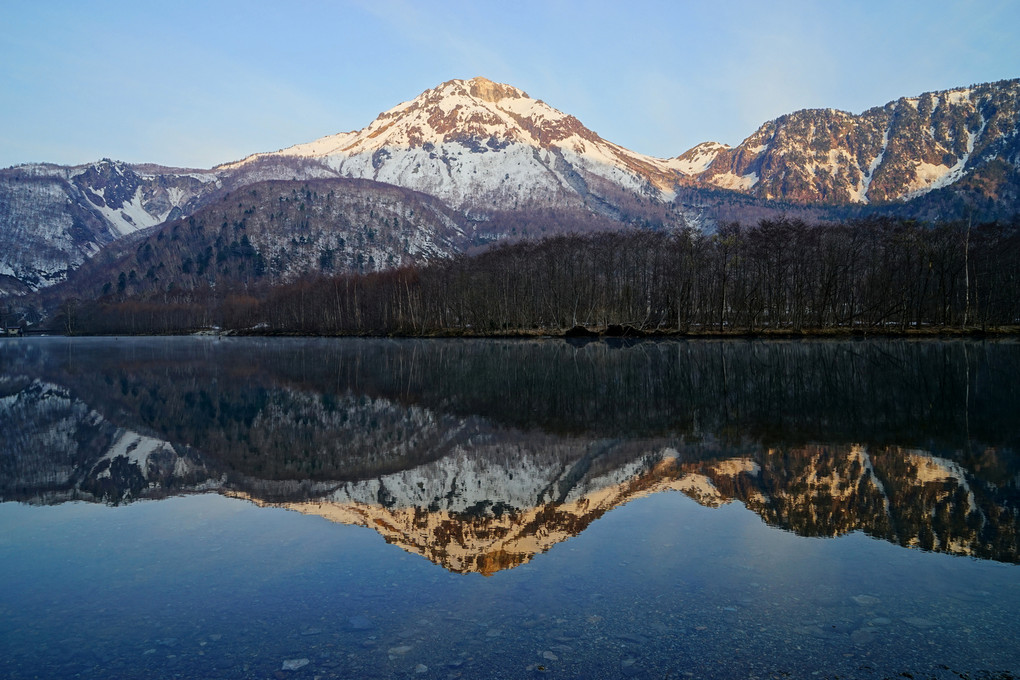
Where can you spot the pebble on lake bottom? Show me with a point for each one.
(865, 600)
(918, 622)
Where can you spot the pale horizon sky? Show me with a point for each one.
(195, 84)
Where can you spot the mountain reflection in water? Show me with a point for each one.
(480, 454)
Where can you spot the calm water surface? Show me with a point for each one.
(248, 508)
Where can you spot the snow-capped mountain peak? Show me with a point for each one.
(456, 110)
(476, 143)
(481, 143)
(696, 160)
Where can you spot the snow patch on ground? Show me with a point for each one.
(131, 216)
(928, 176)
(947, 176)
(959, 96)
(861, 195)
(697, 160)
(730, 180)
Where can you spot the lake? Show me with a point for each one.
(368, 508)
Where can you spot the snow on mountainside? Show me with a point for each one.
(475, 143)
(274, 232)
(53, 218)
(695, 161)
(899, 151)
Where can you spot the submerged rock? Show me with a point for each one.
(629, 667)
(294, 664)
(359, 622)
(862, 636)
(918, 622)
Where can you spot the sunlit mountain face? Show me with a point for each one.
(479, 455)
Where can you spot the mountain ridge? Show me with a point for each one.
(897, 151)
(485, 148)
(868, 157)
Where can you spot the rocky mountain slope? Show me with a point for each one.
(894, 152)
(53, 218)
(272, 232)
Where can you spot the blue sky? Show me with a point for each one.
(194, 84)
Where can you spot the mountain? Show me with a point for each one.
(482, 510)
(54, 218)
(480, 145)
(486, 150)
(895, 152)
(511, 166)
(273, 232)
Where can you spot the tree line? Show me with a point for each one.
(778, 275)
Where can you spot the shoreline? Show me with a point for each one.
(628, 333)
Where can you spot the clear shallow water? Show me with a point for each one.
(620, 539)
(211, 587)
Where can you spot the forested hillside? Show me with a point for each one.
(872, 275)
